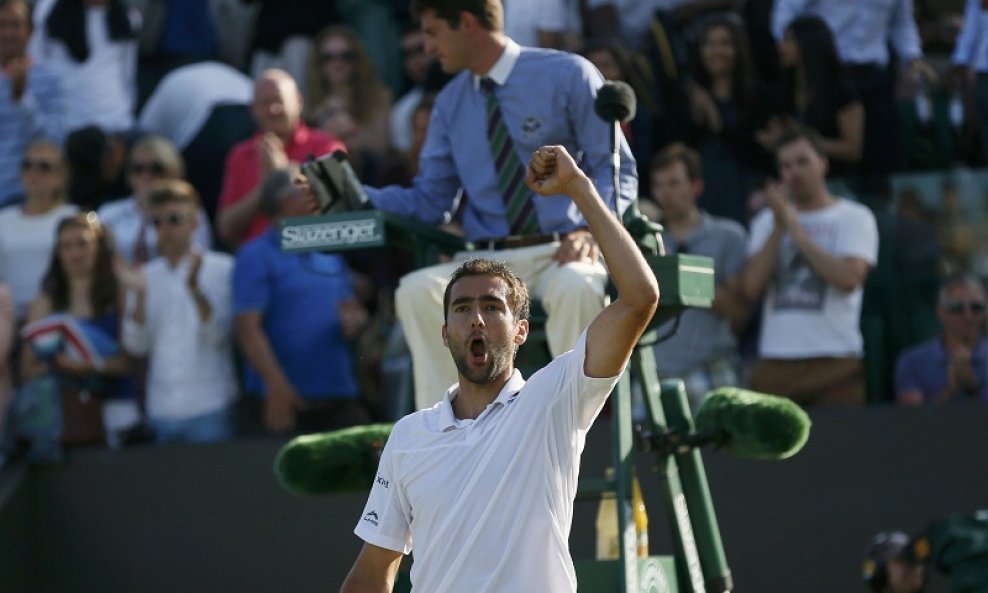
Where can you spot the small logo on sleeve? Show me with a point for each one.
(372, 518)
(382, 481)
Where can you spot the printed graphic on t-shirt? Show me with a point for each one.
(798, 286)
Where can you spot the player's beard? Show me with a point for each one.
(499, 360)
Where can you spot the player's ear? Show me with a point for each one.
(521, 332)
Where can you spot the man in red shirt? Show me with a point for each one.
(283, 139)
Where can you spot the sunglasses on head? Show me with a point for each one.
(330, 56)
(957, 307)
(171, 219)
(42, 166)
(155, 168)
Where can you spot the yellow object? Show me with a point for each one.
(608, 541)
(641, 516)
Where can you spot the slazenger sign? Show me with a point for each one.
(331, 234)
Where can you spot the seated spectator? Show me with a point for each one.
(952, 366)
(809, 255)
(152, 159)
(180, 317)
(704, 350)
(865, 35)
(291, 303)
(91, 391)
(818, 93)
(282, 139)
(204, 109)
(729, 106)
(27, 231)
(341, 75)
(416, 63)
(92, 46)
(31, 99)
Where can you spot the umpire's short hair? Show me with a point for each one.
(277, 185)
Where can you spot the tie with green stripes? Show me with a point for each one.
(521, 214)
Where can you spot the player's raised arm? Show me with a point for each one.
(614, 332)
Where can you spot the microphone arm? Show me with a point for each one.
(616, 163)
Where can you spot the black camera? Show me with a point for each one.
(334, 183)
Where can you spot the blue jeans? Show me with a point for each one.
(208, 428)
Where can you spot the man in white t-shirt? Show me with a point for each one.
(482, 484)
(809, 255)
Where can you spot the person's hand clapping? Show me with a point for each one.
(553, 171)
(272, 155)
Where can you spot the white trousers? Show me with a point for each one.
(571, 294)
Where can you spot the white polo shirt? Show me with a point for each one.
(488, 503)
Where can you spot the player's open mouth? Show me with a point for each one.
(478, 350)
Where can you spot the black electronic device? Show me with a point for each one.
(334, 183)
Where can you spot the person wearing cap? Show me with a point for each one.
(890, 565)
(294, 313)
(954, 365)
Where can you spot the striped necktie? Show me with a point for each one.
(520, 211)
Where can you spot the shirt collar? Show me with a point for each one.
(502, 68)
(447, 418)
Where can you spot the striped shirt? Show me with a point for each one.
(38, 114)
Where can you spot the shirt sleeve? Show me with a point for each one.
(859, 235)
(970, 32)
(435, 187)
(734, 258)
(587, 394)
(904, 32)
(43, 105)
(387, 516)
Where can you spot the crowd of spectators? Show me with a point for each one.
(146, 149)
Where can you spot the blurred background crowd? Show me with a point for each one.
(143, 154)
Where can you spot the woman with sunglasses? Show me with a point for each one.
(152, 158)
(27, 230)
(72, 346)
(340, 68)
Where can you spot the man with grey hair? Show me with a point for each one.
(293, 315)
(953, 365)
(282, 140)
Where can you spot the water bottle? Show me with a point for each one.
(608, 542)
(641, 516)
